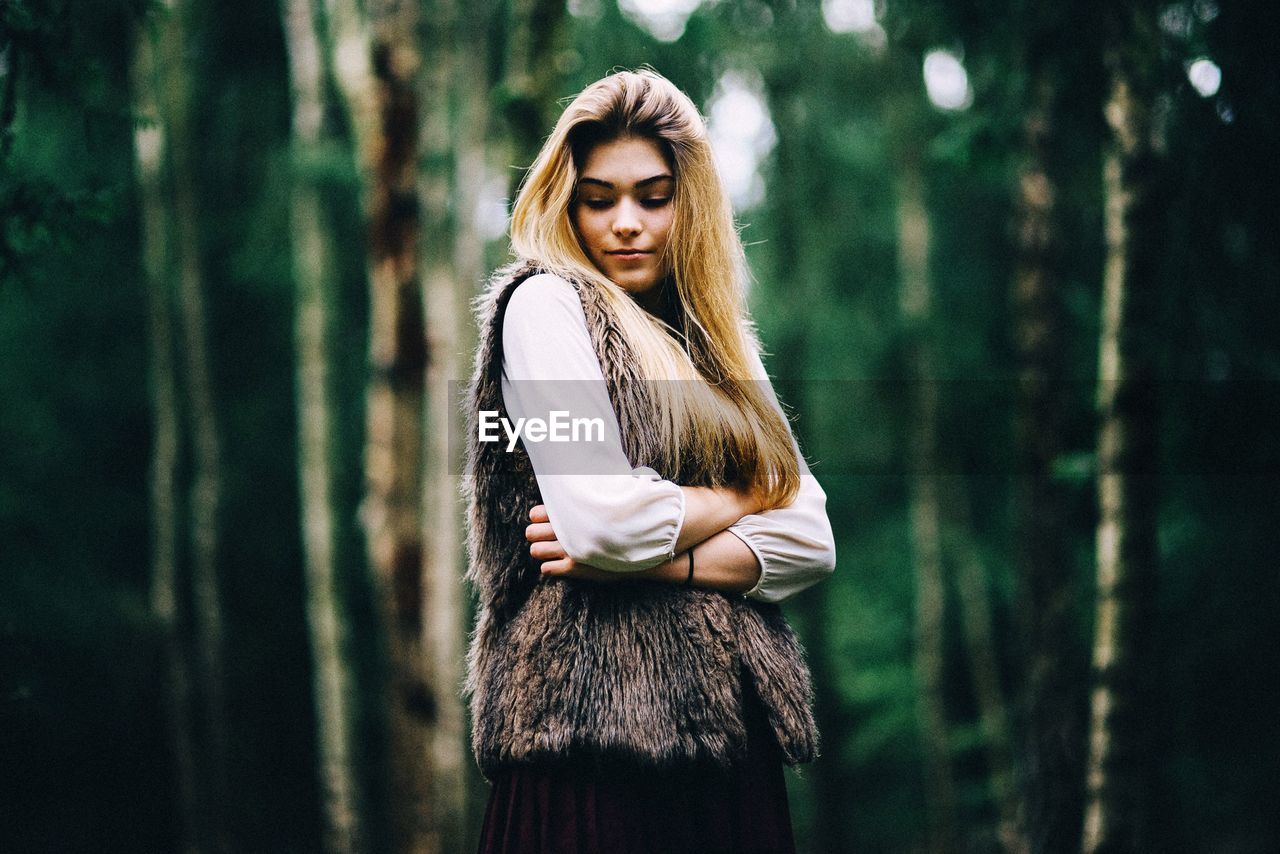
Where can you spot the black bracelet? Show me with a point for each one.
(688, 582)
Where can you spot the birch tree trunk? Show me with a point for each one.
(1054, 721)
(206, 489)
(915, 298)
(166, 607)
(454, 97)
(377, 63)
(334, 685)
(1119, 771)
(173, 102)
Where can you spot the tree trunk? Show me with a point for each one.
(915, 297)
(1119, 765)
(166, 604)
(173, 99)
(377, 65)
(206, 500)
(1054, 720)
(529, 77)
(455, 101)
(334, 684)
(975, 610)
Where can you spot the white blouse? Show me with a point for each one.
(605, 513)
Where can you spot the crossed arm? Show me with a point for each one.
(630, 522)
(722, 561)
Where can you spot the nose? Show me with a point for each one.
(627, 222)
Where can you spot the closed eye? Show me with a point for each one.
(605, 204)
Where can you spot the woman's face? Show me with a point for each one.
(623, 211)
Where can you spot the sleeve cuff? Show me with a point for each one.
(671, 547)
(678, 522)
(755, 592)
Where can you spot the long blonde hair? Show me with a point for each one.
(711, 403)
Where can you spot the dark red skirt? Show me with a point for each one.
(576, 809)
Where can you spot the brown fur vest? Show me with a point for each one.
(638, 671)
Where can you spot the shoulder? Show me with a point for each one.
(544, 332)
(544, 300)
(541, 291)
(522, 282)
(542, 306)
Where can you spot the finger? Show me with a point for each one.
(539, 531)
(539, 513)
(547, 551)
(558, 567)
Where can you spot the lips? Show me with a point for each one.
(628, 254)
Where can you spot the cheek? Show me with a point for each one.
(588, 229)
(662, 228)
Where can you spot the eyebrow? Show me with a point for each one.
(639, 184)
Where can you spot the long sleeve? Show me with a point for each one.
(794, 544)
(604, 513)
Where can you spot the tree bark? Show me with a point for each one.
(915, 299)
(1051, 698)
(454, 97)
(334, 685)
(166, 605)
(173, 100)
(377, 62)
(1119, 771)
(206, 499)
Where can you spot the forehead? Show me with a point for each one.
(625, 161)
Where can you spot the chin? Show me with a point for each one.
(633, 281)
(637, 286)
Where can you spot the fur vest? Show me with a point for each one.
(639, 671)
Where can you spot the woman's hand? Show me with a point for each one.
(544, 546)
(724, 562)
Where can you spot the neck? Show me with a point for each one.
(651, 301)
(657, 301)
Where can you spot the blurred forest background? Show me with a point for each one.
(1014, 271)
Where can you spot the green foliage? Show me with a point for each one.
(39, 218)
(59, 86)
(79, 668)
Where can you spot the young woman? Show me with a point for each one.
(633, 685)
